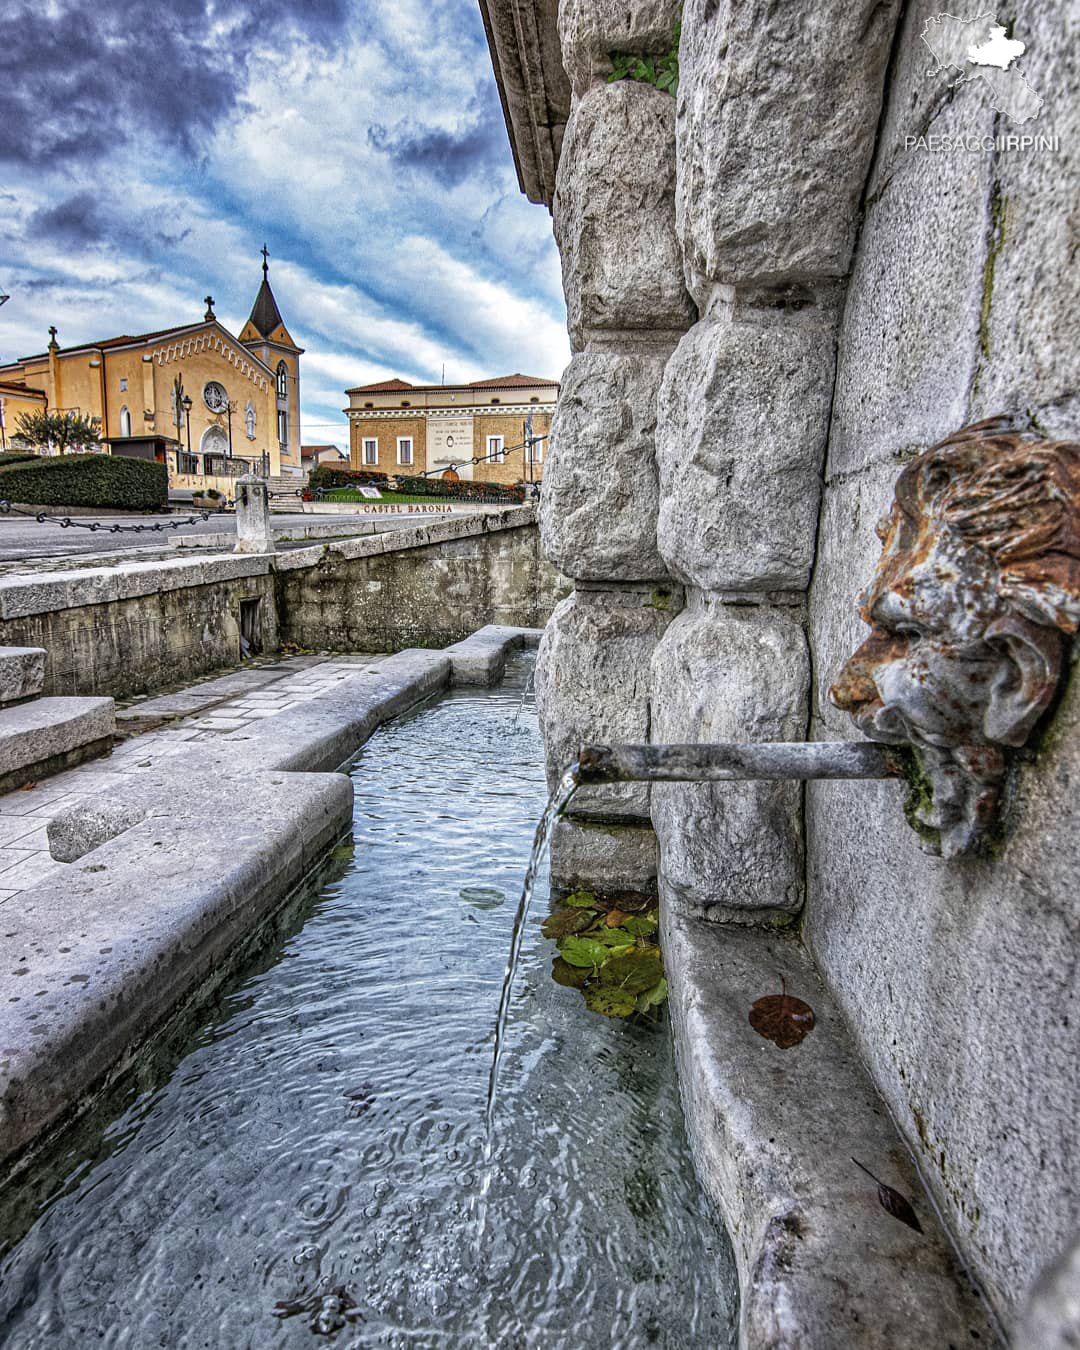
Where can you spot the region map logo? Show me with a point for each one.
(980, 49)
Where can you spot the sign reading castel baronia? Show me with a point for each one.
(195, 397)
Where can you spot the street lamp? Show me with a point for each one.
(186, 404)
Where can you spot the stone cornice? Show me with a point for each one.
(523, 36)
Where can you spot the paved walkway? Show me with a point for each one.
(157, 727)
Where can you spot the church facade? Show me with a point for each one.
(206, 403)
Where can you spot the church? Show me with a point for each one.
(208, 405)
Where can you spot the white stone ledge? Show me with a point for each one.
(821, 1264)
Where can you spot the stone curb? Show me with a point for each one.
(773, 1131)
(481, 658)
(98, 960)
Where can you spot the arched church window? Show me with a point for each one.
(282, 380)
(125, 422)
(250, 420)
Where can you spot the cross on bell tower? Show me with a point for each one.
(266, 259)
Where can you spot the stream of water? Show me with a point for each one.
(306, 1163)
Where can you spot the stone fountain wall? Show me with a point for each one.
(774, 303)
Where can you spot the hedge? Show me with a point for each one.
(462, 487)
(16, 456)
(87, 480)
(326, 477)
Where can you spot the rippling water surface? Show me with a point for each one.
(318, 1142)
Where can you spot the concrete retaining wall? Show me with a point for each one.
(140, 626)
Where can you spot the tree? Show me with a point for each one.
(65, 431)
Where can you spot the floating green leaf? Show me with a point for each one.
(567, 921)
(652, 998)
(612, 937)
(581, 900)
(483, 897)
(570, 977)
(583, 951)
(642, 926)
(635, 971)
(610, 1002)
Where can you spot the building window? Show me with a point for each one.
(123, 385)
(534, 454)
(404, 450)
(496, 400)
(282, 381)
(371, 451)
(405, 403)
(283, 429)
(534, 400)
(369, 405)
(125, 422)
(495, 452)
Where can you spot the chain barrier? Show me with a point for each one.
(66, 522)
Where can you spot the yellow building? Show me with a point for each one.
(205, 403)
(397, 427)
(15, 399)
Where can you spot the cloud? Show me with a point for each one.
(82, 219)
(75, 79)
(362, 139)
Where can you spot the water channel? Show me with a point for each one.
(306, 1162)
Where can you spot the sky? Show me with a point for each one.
(148, 150)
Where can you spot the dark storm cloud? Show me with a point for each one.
(449, 157)
(86, 218)
(73, 83)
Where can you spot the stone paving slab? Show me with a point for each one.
(237, 698)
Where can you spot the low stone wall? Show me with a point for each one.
(140, 626)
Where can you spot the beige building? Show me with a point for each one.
(397, 427)
(244, 394)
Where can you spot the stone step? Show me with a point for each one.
(48, 735)
(22, 673)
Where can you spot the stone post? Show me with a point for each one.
(253, 533)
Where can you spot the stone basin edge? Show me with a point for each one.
(167, 878)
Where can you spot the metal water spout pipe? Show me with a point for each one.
(732, 761)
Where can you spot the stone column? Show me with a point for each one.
(777, 112)
(253, 533)
(627, 304)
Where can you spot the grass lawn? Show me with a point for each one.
(402, 498)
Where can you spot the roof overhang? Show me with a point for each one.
(523, 36)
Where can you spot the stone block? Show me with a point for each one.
(614, 214)
(731, 673)
(601, 494)
(742, 424)
(22, 673)
(778, 112)
(603, 858)
(1029, 358)
(910, 332)
(48, 734)
(1051, 1320)
(591, 30)
(593, 684)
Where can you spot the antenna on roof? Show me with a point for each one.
(443, 364)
